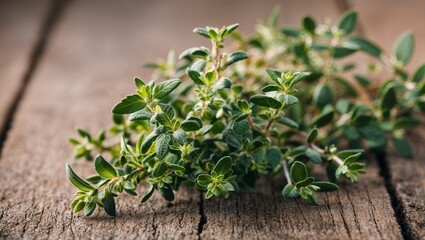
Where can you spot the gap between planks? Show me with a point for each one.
(384, 169)
(56, 8)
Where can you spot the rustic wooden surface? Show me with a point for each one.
(92, 52)
(20, 28)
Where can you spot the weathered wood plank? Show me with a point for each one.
(87, 67)
(20, 25)
(406, 176)
(357, 211)
(408, 181)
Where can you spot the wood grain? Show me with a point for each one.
(408, 181)
(20, 25)
(357, 211)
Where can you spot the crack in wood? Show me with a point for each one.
(399, 209)
(51, 20)
(202, 218)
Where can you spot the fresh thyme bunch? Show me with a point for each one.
(275, 106)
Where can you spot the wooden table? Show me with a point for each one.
(65, 63)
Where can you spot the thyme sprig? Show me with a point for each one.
(281, 103)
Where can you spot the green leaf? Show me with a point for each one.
(89, 208)
(223, 166)
(79, 206)
(402, 146)
(365, 45)
(419, 74)
(348, 21)
(140, 115)
(147, 194)
(77, 181)
(273, 18)
(288, 122)
(270, 88)
(313, 155)
(403, 47)
(290, 31)
(231, 28)
(103, 168)
(326, 186)
(362, 120)
(274, 75)
(374, 134)
(323, 119)
(298, 172)
(84, 134)
(139, 83)
(147, 142)
(190, 125)
(273, 157)
(160, 169)
(290, 192)
(180, 136)
(203, 180)
(290, 100)
(109, 205)
(129, 104)
(162, 145)
(240, 128)
(343, 51)
(265, 101)
(304, 183)
(309, 25)
(164, 89)
(235, 57)
(389, 99)
(312, 199)
(167, 193)
(313, 135)
(229, 187)
(195, 76)
(223, 83)
(322, 95)
(202, 31)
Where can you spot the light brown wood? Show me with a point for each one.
(356, 211)
(20, 25)
(408, 181)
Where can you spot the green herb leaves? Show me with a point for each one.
(265, 101)
(348, 22)
(222, 121)
(129, 104)
(303, 185)
(103, 168)
(77, 181)
(403, 48)
(220, 182)
(163, 89)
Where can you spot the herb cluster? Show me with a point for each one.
(283, 102)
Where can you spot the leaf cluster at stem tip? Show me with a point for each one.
(283, 102)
